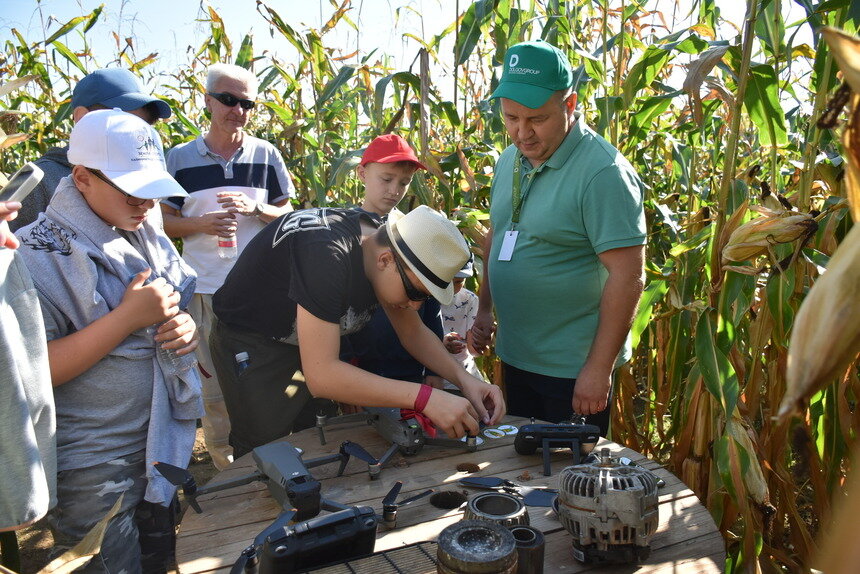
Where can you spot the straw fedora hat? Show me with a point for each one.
(431, 246)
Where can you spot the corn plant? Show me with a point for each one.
(746, 202)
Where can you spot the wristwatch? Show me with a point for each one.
(258, 210)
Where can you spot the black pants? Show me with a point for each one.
(547, 398)
(269, 399)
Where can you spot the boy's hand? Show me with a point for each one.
(486, 398)
(179, 333)
(454, 343)
(8, 212)
(149, 304)
(451, 414)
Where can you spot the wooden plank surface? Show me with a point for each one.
(686, 540)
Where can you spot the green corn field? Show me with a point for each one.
(749, 196)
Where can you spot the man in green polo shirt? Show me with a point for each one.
(564, 255)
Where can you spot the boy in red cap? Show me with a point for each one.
(386, 170)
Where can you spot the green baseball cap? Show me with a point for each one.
(532, 72)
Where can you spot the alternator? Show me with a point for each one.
(609, 508)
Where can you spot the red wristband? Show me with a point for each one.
(422, 398)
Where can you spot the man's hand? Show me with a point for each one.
(220, 223)
(482, 332)
(179, 333)
(8, 212)
(487, 399)
(591, 392)
(237, 202)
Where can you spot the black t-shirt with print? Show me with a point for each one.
(310, 257)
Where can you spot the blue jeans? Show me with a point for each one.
(141, 537)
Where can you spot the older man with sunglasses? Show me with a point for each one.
(236, 183)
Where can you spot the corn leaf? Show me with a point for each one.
(717, 372)
(65, 29)
(644, 72)
(762, 103)
(653, 294)
(470, 29)
(246, 52)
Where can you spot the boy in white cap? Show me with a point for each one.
(315, 275)
(112, 289)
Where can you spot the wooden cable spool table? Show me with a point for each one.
(686, 540)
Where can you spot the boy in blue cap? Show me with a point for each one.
(103, 89)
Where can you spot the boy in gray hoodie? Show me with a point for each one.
(112, 290)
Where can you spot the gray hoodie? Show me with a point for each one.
(130, 399)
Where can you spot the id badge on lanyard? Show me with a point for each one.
(517, 198)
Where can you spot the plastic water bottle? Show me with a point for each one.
(227, 247)
(169, 356)
(243, 361)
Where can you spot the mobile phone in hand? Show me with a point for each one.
(22, 183)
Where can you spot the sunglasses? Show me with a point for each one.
(230, 100)
(411, 292)
(129, 199)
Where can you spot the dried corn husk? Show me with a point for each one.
(825, 338)
(846, 52)
(754, 237)
(754, 481)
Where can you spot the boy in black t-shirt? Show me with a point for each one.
(314, 275)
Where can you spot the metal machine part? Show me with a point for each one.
(609, 508)
(500, 507)
(471, 546)
(530, 549)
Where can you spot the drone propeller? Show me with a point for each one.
(180, 477)
(349, 448)
(392, 494)
(390, 504)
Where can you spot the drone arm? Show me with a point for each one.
(247, 479)
(323, 460)
(332, 506)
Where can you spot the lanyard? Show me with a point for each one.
(518, 196)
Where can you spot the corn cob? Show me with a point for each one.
(825, 337)
(753, 238)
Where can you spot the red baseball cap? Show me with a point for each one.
(389, 149)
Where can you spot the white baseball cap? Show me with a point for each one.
(127, 150)
(432, 247)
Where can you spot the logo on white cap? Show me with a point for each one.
(148, 149)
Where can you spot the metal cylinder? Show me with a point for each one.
(499, 507)
(530, 549)
(476, 547)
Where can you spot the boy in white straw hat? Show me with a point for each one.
(317, 274)
(112, 289)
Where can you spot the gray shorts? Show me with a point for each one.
(141, 538)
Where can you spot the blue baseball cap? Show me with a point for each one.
(115, 88)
